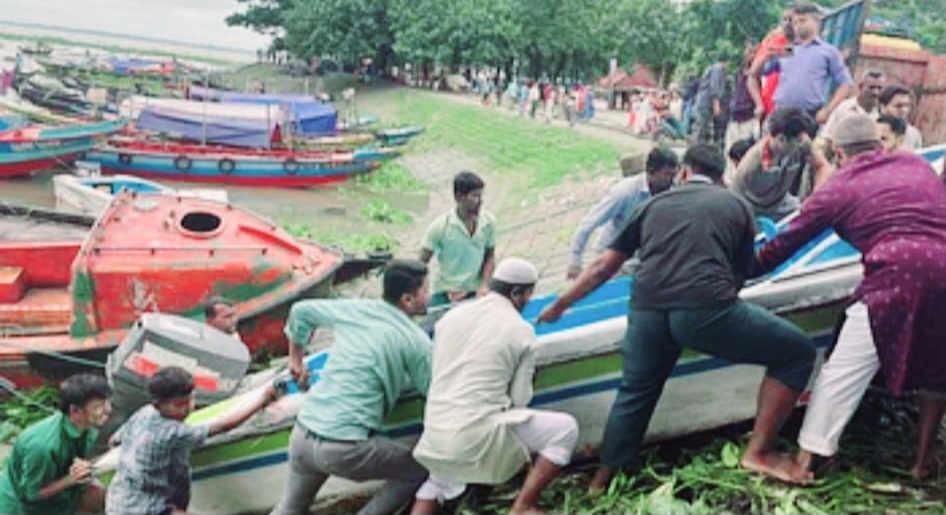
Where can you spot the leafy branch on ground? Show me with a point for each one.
(23, 409)
(701, 474)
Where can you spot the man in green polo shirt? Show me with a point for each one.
(378, 353)
(48, 471)
(463, 240)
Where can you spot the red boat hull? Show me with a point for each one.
(25, 168)
(150, 253)
(259, 182)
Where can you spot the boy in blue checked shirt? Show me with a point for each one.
(153, 475)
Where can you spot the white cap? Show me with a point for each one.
(515, 270)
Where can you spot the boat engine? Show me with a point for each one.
(217, 361)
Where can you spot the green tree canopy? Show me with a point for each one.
(544, 38)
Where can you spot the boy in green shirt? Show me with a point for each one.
(48, 471)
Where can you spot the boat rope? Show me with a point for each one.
(9, 387)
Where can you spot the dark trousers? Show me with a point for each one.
(741, 333)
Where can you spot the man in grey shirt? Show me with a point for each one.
(783, 167)
(612, 211)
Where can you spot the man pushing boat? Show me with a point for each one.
(378, 353)
(477, 426)
(892, 208)
(696, 248)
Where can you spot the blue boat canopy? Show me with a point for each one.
(309, 117)
(238, 132)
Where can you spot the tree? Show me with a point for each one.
(347, 29)
(263, 16)
(454, 34)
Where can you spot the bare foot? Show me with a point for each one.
(525, 509)
(920, 472)
(601, 480)
(778, 466)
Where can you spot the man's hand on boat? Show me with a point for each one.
(300, 374)
(604, 268)
(551, 313)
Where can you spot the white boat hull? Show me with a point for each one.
(74, 194)
(578, 373)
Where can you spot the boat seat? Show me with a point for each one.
(39, 309)
(12, 284)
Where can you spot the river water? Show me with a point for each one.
(335, 207)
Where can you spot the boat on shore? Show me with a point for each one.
(230, 165)
(91, 194)
(32, 148)
(399, 135)
(67, 298)
(578, 372)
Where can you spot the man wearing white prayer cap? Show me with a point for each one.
(477, 426)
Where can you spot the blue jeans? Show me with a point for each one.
(740, 332)
(687, 117)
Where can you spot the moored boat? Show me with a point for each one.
(226, 165)
(399, 135)
(30, 148)
(75, 296)
(92, 194)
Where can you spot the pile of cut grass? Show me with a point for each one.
(701, 474)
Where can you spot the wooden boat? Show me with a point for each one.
(92, 194)
(579, 369)
(14, 103)
(399, 135)
(53, 94)
(32, 148)
(243, 122)
(338, 141)
(228, 165)
(73, 295)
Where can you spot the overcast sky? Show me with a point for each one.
(191, 21)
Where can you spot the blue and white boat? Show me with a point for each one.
(579, 369)
(87, 192)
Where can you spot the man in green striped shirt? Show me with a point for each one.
(463, 240)
(378, 353)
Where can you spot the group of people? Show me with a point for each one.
(794, 68)
(657, 113)
(685, 228)
(476, 375)
(49, 469)
(543, 99)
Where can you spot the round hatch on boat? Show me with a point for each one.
(201, 223)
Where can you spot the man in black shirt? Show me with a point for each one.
(696, 249)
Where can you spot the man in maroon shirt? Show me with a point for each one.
(892, 208)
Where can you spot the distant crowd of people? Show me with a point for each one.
(793, 68)
(537, 99)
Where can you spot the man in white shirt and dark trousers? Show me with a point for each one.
(477, 426)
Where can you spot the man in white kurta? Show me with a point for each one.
(477, 428)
